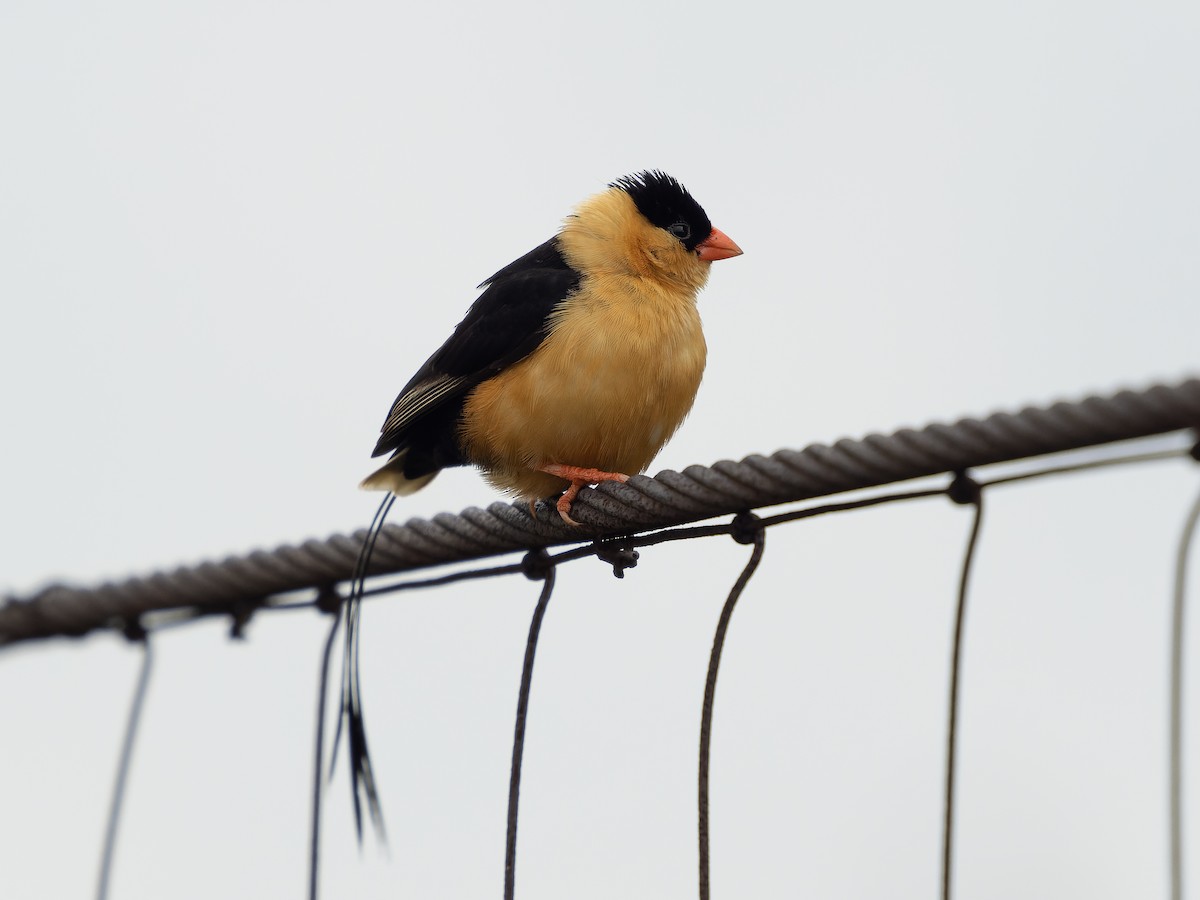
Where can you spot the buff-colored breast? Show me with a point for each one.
(610, 384)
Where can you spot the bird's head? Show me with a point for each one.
(647, 224)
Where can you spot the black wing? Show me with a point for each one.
(544, 256)
(504, 325)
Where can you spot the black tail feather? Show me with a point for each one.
(362, 773)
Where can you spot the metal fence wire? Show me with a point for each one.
(619, 520)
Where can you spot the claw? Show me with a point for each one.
(579, 478)
(565, 501)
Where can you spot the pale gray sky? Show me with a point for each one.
(231, 233)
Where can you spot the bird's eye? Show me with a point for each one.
(681, 230)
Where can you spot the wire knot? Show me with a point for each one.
(328, 599)
(620, 558)
(745, 527)
(964, 490)
(134, 631)
(240, 614)
(536, 564)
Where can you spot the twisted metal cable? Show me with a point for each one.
(669, 498)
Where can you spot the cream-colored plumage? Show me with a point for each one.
(619, 369)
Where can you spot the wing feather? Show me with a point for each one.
(418, 399)
(505, 324)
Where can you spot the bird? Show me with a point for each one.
(578, 361)
(573, 367)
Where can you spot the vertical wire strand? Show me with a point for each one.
(314, 849)
(514, 783)
(1176, 712)
(960, 614)
(706, 714)
(118, 795)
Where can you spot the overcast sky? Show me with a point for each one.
(231, 233)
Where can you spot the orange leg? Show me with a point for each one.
(578, 478)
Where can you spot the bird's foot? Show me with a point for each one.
(579, 478)
(583, 476)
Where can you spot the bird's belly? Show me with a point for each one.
(605, 390)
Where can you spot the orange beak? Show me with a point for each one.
(717, 245)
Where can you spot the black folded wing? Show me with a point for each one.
(504, 325)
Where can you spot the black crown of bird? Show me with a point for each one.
(577, 362)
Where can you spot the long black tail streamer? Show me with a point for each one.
(1175, 785)
(748, 529)
(966, 491)
(536, 565)
(104, 876)
(330, 602)
(363, 787)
